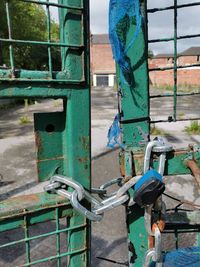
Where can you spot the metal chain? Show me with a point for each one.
(75, 192)
(60, 184)
(155, 253)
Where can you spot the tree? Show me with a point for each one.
(28, 22)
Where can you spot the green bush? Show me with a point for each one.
(194, 128)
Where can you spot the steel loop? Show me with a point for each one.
(110, 203)
(98, 191)
(155, 253)
(69, 182)
(109, 184)
(147, 219)
(76, 205)
(51, 188)
(64, 193)
(148, 257)
(128, 185)
(157, 146)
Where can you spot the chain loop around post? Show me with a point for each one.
(59, 185)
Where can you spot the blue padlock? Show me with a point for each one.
(149, 187)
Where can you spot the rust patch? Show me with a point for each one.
(85, 142)
(160, 224)
(38, 141)
(121, 164)
(26, 198)
(151, 241)
(19, 204)
(84, 160)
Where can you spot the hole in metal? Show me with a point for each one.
(50, 128)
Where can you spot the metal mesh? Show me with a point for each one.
(40, 237)
(176, 95)
(45, 73)
(64, 242)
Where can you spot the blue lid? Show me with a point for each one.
(146, 177)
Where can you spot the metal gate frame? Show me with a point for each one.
(62, 139)
(71, 155)
(135, 123)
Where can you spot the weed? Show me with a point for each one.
(57, 103)
(24, 120)
(194, 128)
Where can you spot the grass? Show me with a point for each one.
(24, 120)
(194, 128)
(185, 88)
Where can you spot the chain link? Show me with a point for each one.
(61, 185)
(75, 192)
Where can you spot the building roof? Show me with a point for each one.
(163, 55)
(192, 51)
(100, 39)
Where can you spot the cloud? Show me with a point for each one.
(99, 16)
(160, 24)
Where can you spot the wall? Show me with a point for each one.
(187, 76)
(102, 63)
(184, 77)
(101, 59)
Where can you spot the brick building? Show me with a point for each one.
(185, 76)
(102, 63)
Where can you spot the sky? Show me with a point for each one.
(160, 24)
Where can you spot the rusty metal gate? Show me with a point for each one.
(135, 106)
(62, 138)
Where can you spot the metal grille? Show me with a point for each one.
(23, 231)
(65, 45)
(67, 151)
(176, 95)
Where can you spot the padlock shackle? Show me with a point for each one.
(156, 146)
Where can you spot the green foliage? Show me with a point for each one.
(28, 22)
(24, 120)
(194, 128)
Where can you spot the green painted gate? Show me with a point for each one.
(62, 138)
(135, 105)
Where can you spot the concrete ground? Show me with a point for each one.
(18, 168)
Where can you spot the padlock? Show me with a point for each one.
(149, 187)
